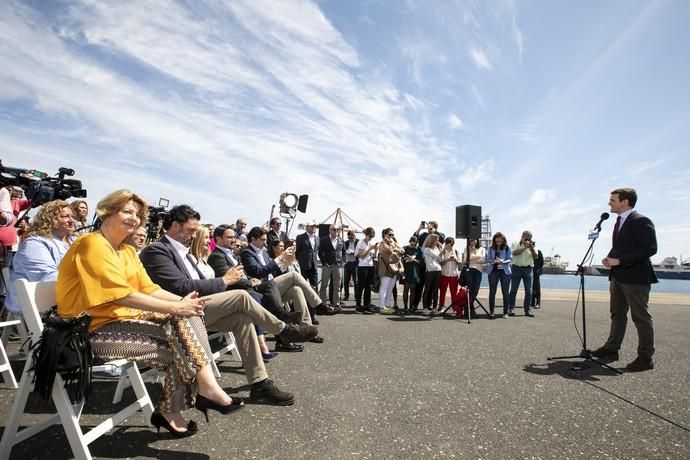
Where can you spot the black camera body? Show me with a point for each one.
(154, 224)
(41, 188)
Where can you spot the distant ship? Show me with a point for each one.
(668, 269)
(553, 265)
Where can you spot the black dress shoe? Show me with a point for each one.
(640, 364)
(324, 309)
(317, 339)
(288, 347)
(607, 355)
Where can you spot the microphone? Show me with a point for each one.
(603, 217)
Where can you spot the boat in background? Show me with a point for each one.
(553, 265)
(668, 269)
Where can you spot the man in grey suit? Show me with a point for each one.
(631, 276)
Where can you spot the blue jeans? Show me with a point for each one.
(524, 274)
(494, 277)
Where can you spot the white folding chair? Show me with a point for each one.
(34, 298)
(5, 367)
(21, 329)
(230, 347)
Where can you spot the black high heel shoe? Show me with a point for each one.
(204, 404)
(159, 421)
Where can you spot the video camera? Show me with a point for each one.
(154, 224)
(41, 188)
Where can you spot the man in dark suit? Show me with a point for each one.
(331, 255)
(275, 233)
(170, 265)
(631, 276)
(350, 271)
(292, 287)
(306, 249)
(223, 258)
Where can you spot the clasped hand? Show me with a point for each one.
(191, 305)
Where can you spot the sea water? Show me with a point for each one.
(601, 283)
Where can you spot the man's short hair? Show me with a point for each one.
(256, 233)
(219, 231)
(626, 194)
(276, 220)
(180, 214)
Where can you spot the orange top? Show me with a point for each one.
(93, 276)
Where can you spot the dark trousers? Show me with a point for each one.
(312, 276)
(633, 297)
(523, 274)
(432, 280)
(474, 282)
(365, 278)
(494, 277)
(536, 288)
(349, 273)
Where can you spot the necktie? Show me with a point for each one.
(616, 228)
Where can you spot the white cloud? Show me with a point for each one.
(454, 121)
(480, 58)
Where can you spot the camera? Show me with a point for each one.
(154, 224)
(41, 188)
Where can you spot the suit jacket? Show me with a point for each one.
(253, 266)
(221, 263)
(306, 255)
(166, 268)
(635, 244)
(328, 254)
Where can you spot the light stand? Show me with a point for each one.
(586, 353)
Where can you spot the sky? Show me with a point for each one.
(394, 111)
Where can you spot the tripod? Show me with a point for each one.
(470, 298)
(586, 353)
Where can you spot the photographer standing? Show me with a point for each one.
(524, 256)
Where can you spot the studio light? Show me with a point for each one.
(288, 204)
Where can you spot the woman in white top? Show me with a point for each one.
(200, 250)
(432, 277)
(366, 253)
(450, 261)
(476, 267)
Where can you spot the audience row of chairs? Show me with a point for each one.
(36, 298)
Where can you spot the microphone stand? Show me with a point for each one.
(586, 353)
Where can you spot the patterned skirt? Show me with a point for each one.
(175, 345)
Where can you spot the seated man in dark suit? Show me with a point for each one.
(293, 288)
(223, 258)
(169, 265)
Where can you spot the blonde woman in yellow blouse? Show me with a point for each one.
(134, 318)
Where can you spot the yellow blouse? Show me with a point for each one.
(93, 276)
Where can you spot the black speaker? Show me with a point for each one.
(302, 203)
(468, 221)
(323, 230)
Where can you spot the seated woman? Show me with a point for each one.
(134, 318)
(45, 243)
(200, 250)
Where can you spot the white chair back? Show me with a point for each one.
(35, 298)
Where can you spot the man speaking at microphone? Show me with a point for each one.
(631, 276)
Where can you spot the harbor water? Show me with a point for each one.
(601, 283)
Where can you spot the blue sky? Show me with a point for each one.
(394, 111)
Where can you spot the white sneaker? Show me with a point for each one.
(426, 312)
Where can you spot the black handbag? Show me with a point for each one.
(64, 347)
(464, 278)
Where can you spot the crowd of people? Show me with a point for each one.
(155, 302)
